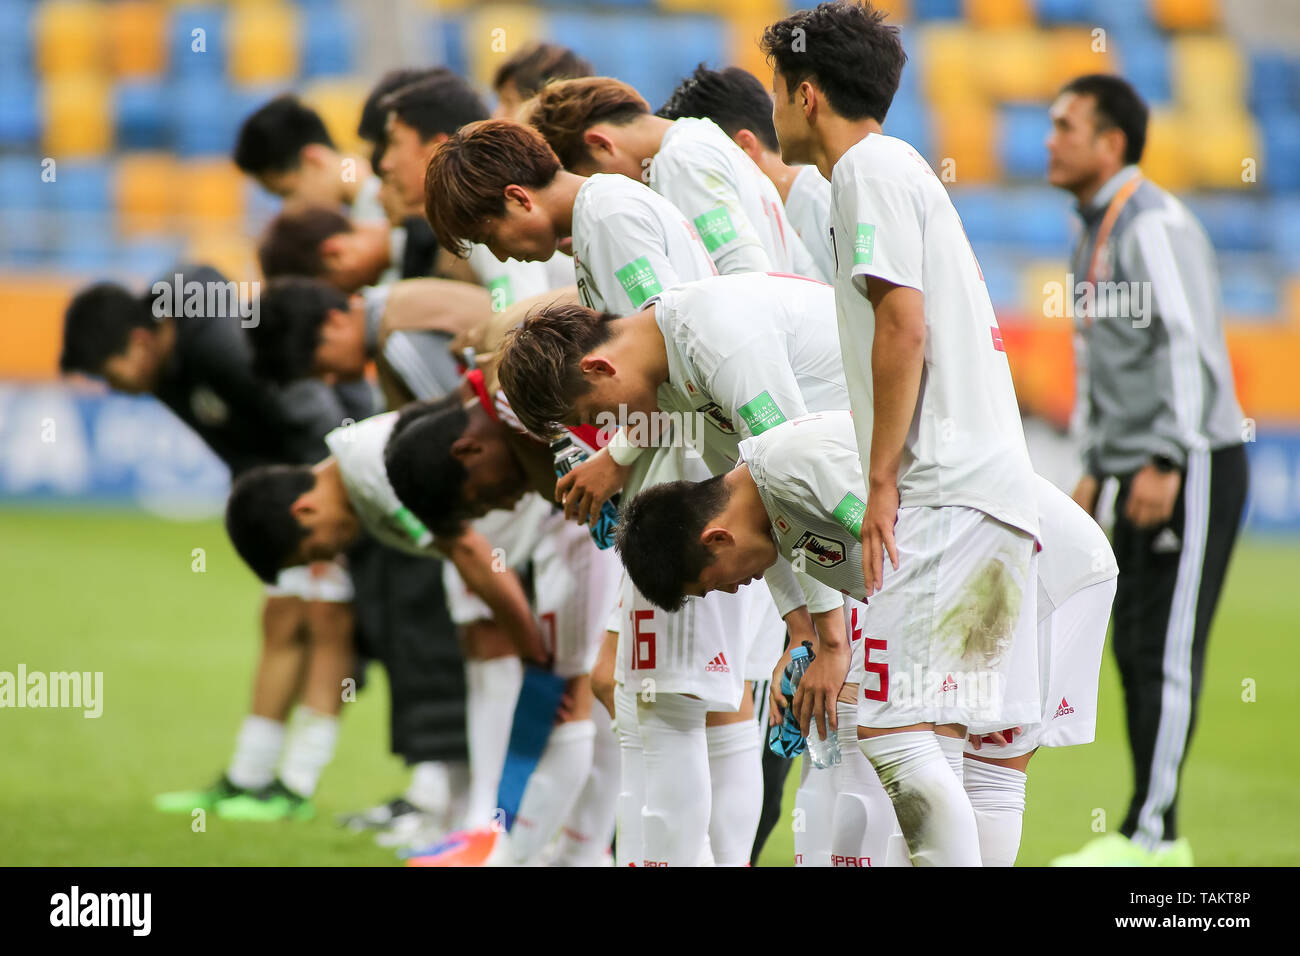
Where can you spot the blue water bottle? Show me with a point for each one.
(785, 739)
(567, 456)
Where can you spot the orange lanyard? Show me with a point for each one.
(1108, 223)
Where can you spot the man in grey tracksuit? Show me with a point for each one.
(1157, 410)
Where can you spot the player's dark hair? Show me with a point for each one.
(846, 49)
(565, 109)
(373, 116)
(658, 537)
(439, 103)
(261, 527)
(1117, 106)
(272, 137)
(425, 475)
(97, 325)
(290, 246)
(733, 98)
(285, 339)
(540, 369)
(537, 64)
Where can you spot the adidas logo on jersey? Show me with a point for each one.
(1064, 709)
(948, 684)
(718, 665)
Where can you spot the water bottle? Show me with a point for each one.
(567, 456)
(786, 739)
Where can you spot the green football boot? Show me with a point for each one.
(187, 801)
(275, 801)
(1112, 850)
(1178, 853)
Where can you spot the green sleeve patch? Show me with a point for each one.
(849, 513)
(761, 413)
(864, 245)
(501, 292)
(639, 280)
(413, 526)
(715, 228)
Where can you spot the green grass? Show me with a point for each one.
(114, 592)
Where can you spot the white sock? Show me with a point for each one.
(675, 754)
(310, 748)
(736, 772)
(954, 751)
(863, 818)
(552, 787)
(814, 804)
(932, 808)
(257, 751)
(997, 795)
(491, 690)
(628, 846)
(586, 833)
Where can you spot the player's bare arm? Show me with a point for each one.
(897, 360)
(819, 688)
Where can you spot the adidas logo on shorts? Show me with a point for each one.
(718, 665)
(1064, 709)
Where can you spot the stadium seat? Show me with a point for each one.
(1075, 52)
(1119, 18)
(1274, 82)
(338, 101)
(78, 116)
(81, 187)
(1208, 73)
(1039, 220)
(202, 121)
(1231, 222)
(146, 191)
(21, 186)
(142, 114)
(1283, 226)
(143, 259)
(1281, 160)
(15, 41)
(1035, 292)
(211, 195)
(84, 244)
(1249, 289)
(263, 43)
(909, 120)
(1001, 276)
(1221, 147)
(1144, 62)
(947, 57)
(1022, 142)
(935, 9)
(1185, 14)
(197, 41)
(20, 115)
(69, 38)
(1015, 65)
(999, 13)
(495, 33)
(329, 38)
(1061, 11)
(137, 38)
(228, 252)
(1166, 158)
(448, 43)
(981, 212)
(968, 136)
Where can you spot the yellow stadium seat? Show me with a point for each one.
(999, 13)
(78, 114)
(1075, 52)
(137, 38)
(1185, 14)
(1207, 73)
(69, 37)
(494, 34)
(896, 11)
(1034, 277)
(145, 193)
(211, 194)
(1167, 158)
(965, 140)
(263, 43)
(1015, 65)
(1219, 146)
(229, 253)
(743, 33)
(950, 62)
(339, 102)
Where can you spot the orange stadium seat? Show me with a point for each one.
(69, 37)
(966, 134)
(1208, 73)
(211, 195)
(999, 13)
(1218, 145)
(495, 33)
(78, 116)
(1185, 14)
(231, 254)
(1075, 52)
(263, 41)
(1015, 64)
(949, 61)
(339, 102)
(145, 193)
(137, 32)
(1167, 159)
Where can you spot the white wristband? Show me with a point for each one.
(621, 450)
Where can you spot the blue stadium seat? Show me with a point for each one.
(20, 112)
(182, 60)
(85, 243)
(981, 211)
(1001, 274)
(1039, 220)
(202, 120)
(1283, 227)
(1274, 81)
(1144, 56)
(1062, 11)
(447, 43)
(328, 40)
(21, 187)
(16, 39)
(260, 207)
(1281, 165)
(142, 115)
(1249, 289)
(909, 120)
(146, 257)
(82, 188)
(936, 9)
(1122, 18)
(1022, 143)
(1231, 221)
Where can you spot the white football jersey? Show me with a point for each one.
(892, 219)
(629, 243)
(359, 451)
(732, 204)
(809, 207)
(1075, 551)
(508, 282)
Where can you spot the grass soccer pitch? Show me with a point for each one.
(116, 592)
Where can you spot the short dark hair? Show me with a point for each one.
(733, 98)
(539, 366)
(465, 181)
(439, 103)
(1117, 106)
(846, 49)
(565, 109)
(261, 527)
(285, 339)
(658, 536)
(425, 475)
(537, 64)
(98, 323)
(272, 137)
(290, 246)
(373, 115)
